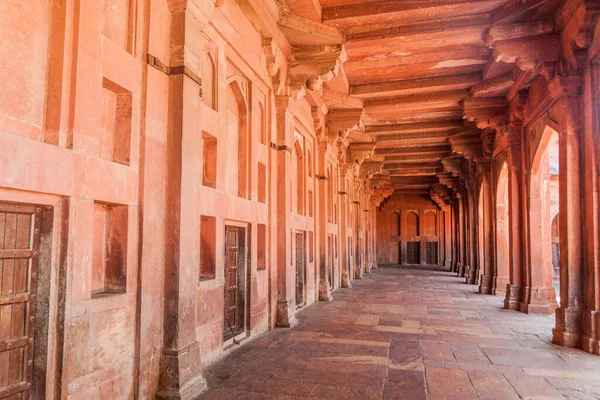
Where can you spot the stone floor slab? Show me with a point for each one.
(407, 334)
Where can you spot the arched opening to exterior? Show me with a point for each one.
(237, 142)
(502, 231)
(543, 204)
(299, 178)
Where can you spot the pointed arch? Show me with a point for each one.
(502, 266)
(300, 186)
(543, 201)
(429, 223)
(237, 140)
(412, 223)
(209, 81)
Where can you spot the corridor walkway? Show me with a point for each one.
(407, 334)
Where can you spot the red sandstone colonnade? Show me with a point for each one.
(178, 177)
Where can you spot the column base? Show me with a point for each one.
(538, 300)
(325, 292)
(485, 286)
(472, 278)
(346, 281)
(357, 273)
(590, 341)
(180, 375)
(568, 330)
(455, 267)
(286, 314)
(460, 270)
(512, 298)
(499, 285)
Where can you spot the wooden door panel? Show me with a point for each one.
(19, 239)
(233, 323)
(300, 269)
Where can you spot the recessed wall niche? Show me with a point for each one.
(115, 143)
(209, 157)
(119, 21)
(109, 259)
(208, 247)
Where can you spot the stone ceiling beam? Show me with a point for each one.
(443, 26)
(414, 150)
(407, 138)
(416, 102)
(393, 162)
(416, 86)
(414, 128)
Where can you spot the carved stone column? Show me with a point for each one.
(462, 245)
(447, 237)
(180, 364)
(357, 273)
(512, 285)
(569, 329)
(485, 286)
(473, 268)
(324, 288)
(455, 240)
(344, 250)
(286, 303)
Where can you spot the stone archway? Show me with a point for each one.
(543, 203)
(502, 266)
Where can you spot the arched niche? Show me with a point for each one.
(237, 140)
(412, 223)
(209, 81)
(262, 121)
(299, 155)
(429, 223)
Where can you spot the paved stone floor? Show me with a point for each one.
(407, 334)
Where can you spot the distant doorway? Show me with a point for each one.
(413, 253)
(235, 282)
(300, 271)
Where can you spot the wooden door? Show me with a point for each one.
(300, 269)
(330, 266)
(431, 254)
(19, 241)
(235, 282)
